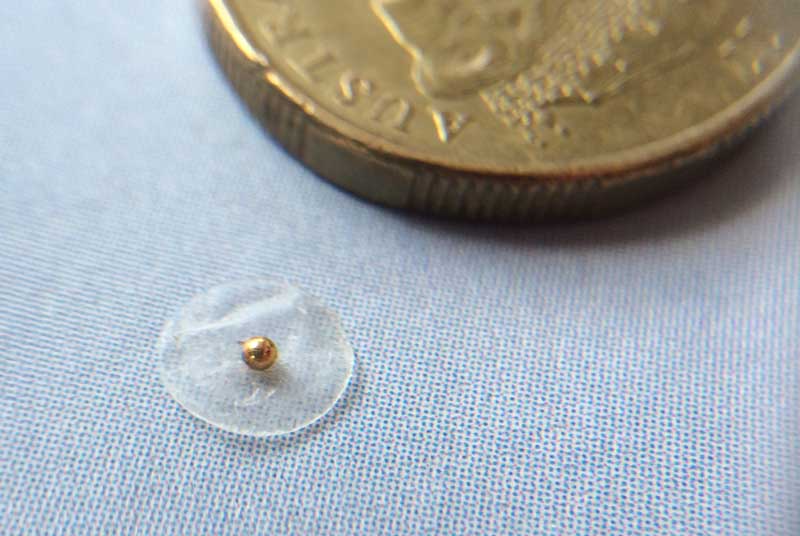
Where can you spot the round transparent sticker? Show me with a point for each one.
(202, 363)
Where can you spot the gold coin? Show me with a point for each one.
(509, 109)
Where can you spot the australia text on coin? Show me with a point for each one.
(526, 59)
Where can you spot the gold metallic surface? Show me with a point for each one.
(260, 353)
(510, 109)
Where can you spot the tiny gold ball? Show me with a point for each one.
(260, 353)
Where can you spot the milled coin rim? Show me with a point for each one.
(648, 159)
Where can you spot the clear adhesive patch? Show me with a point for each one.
(203, 369)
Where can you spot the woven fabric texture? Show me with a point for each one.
(637, 375)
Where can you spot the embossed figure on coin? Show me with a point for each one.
(526, 56)
(508, 109)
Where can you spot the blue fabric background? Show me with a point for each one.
(634, 376)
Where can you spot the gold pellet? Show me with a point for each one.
(260, 353)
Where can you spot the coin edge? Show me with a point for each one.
(352, 162)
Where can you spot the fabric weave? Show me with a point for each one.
(637, 375)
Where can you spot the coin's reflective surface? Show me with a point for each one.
(513, 108)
